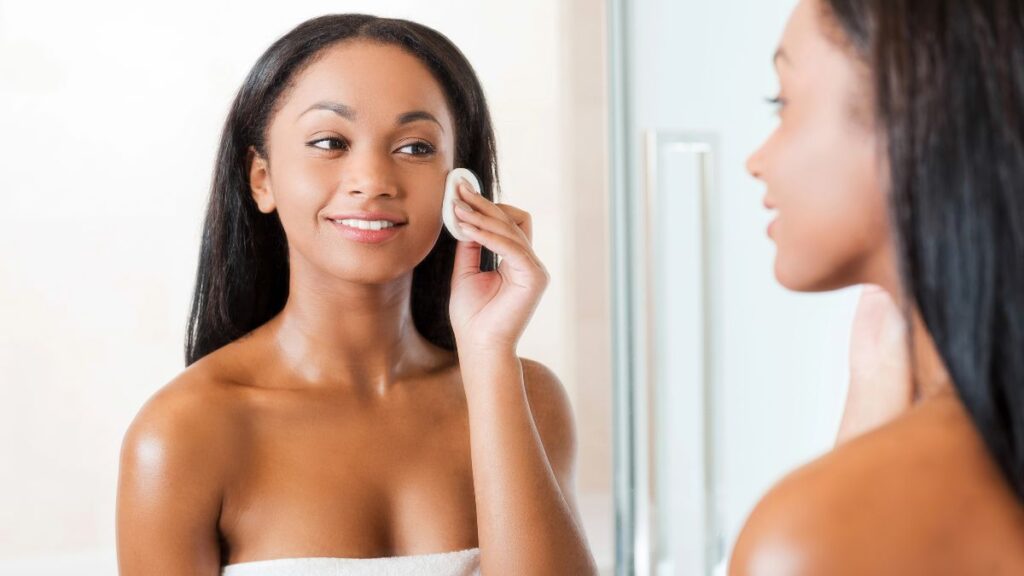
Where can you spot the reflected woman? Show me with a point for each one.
(353, 401)
(898, 161)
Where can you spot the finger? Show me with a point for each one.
(499, 226)
(479, 203)
(876, 304)
(513, 253)
(467, 259)
(521, 218)
(511, 215)
(505, 222)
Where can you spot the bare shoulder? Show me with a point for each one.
(548, 399)
(176, 459)
(191, 411)
(186, 432)
(918, 496)
(552, 413)
(545, 390)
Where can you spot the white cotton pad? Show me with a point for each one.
(450, 194)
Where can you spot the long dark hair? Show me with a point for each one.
(948, 79)
(242, 277)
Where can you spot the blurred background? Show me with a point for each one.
(622, 126)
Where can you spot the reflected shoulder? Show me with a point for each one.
(917, 496)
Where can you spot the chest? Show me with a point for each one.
(345, 479)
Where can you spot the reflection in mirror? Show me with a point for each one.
(852, 181)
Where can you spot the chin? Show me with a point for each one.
(807, 278)
(369, 271)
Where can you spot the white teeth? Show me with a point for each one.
(366, 224)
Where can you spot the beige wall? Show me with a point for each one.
(584, 126)
(109, 117)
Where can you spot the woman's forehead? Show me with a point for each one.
(371, 79)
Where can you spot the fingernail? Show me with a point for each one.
(463, 206)
(468, 228)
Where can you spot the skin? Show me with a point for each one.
(336, 429)
(910, 488)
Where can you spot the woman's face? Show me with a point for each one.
(823, 165)
(358, 153)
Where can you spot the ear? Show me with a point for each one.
(259, 182)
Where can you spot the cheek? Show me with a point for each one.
(831, 208)
(426, 225)
(826, 194)
(426, 201)
(300, 192)
(424, 194)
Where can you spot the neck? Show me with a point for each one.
(334, 333)
(930, 375)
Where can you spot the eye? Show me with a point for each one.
(417, 149)
(329, 144)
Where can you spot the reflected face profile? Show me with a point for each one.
(363, 133)
(824, 164)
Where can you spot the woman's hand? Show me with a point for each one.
(490, 310)
(881, 380)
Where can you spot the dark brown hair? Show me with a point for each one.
(948, 84)
(242, 276)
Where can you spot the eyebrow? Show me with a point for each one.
(337, 107)
(416, 116)
(348, 113)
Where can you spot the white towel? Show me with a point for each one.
(460, 563)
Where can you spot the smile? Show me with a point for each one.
(365, 224)
(367, 230)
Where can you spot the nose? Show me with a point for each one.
(755, 163)
(368, 174)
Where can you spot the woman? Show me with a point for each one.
(336, 404)
(913, 108)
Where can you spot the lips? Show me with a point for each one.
(365, 224)
(770, 205)
(368, 227)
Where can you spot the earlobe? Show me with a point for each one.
(259, 182)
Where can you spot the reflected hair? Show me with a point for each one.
(242, 275)
(948, 84)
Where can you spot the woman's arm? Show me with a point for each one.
(523, 469)
(169, 495)
(521, 431)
